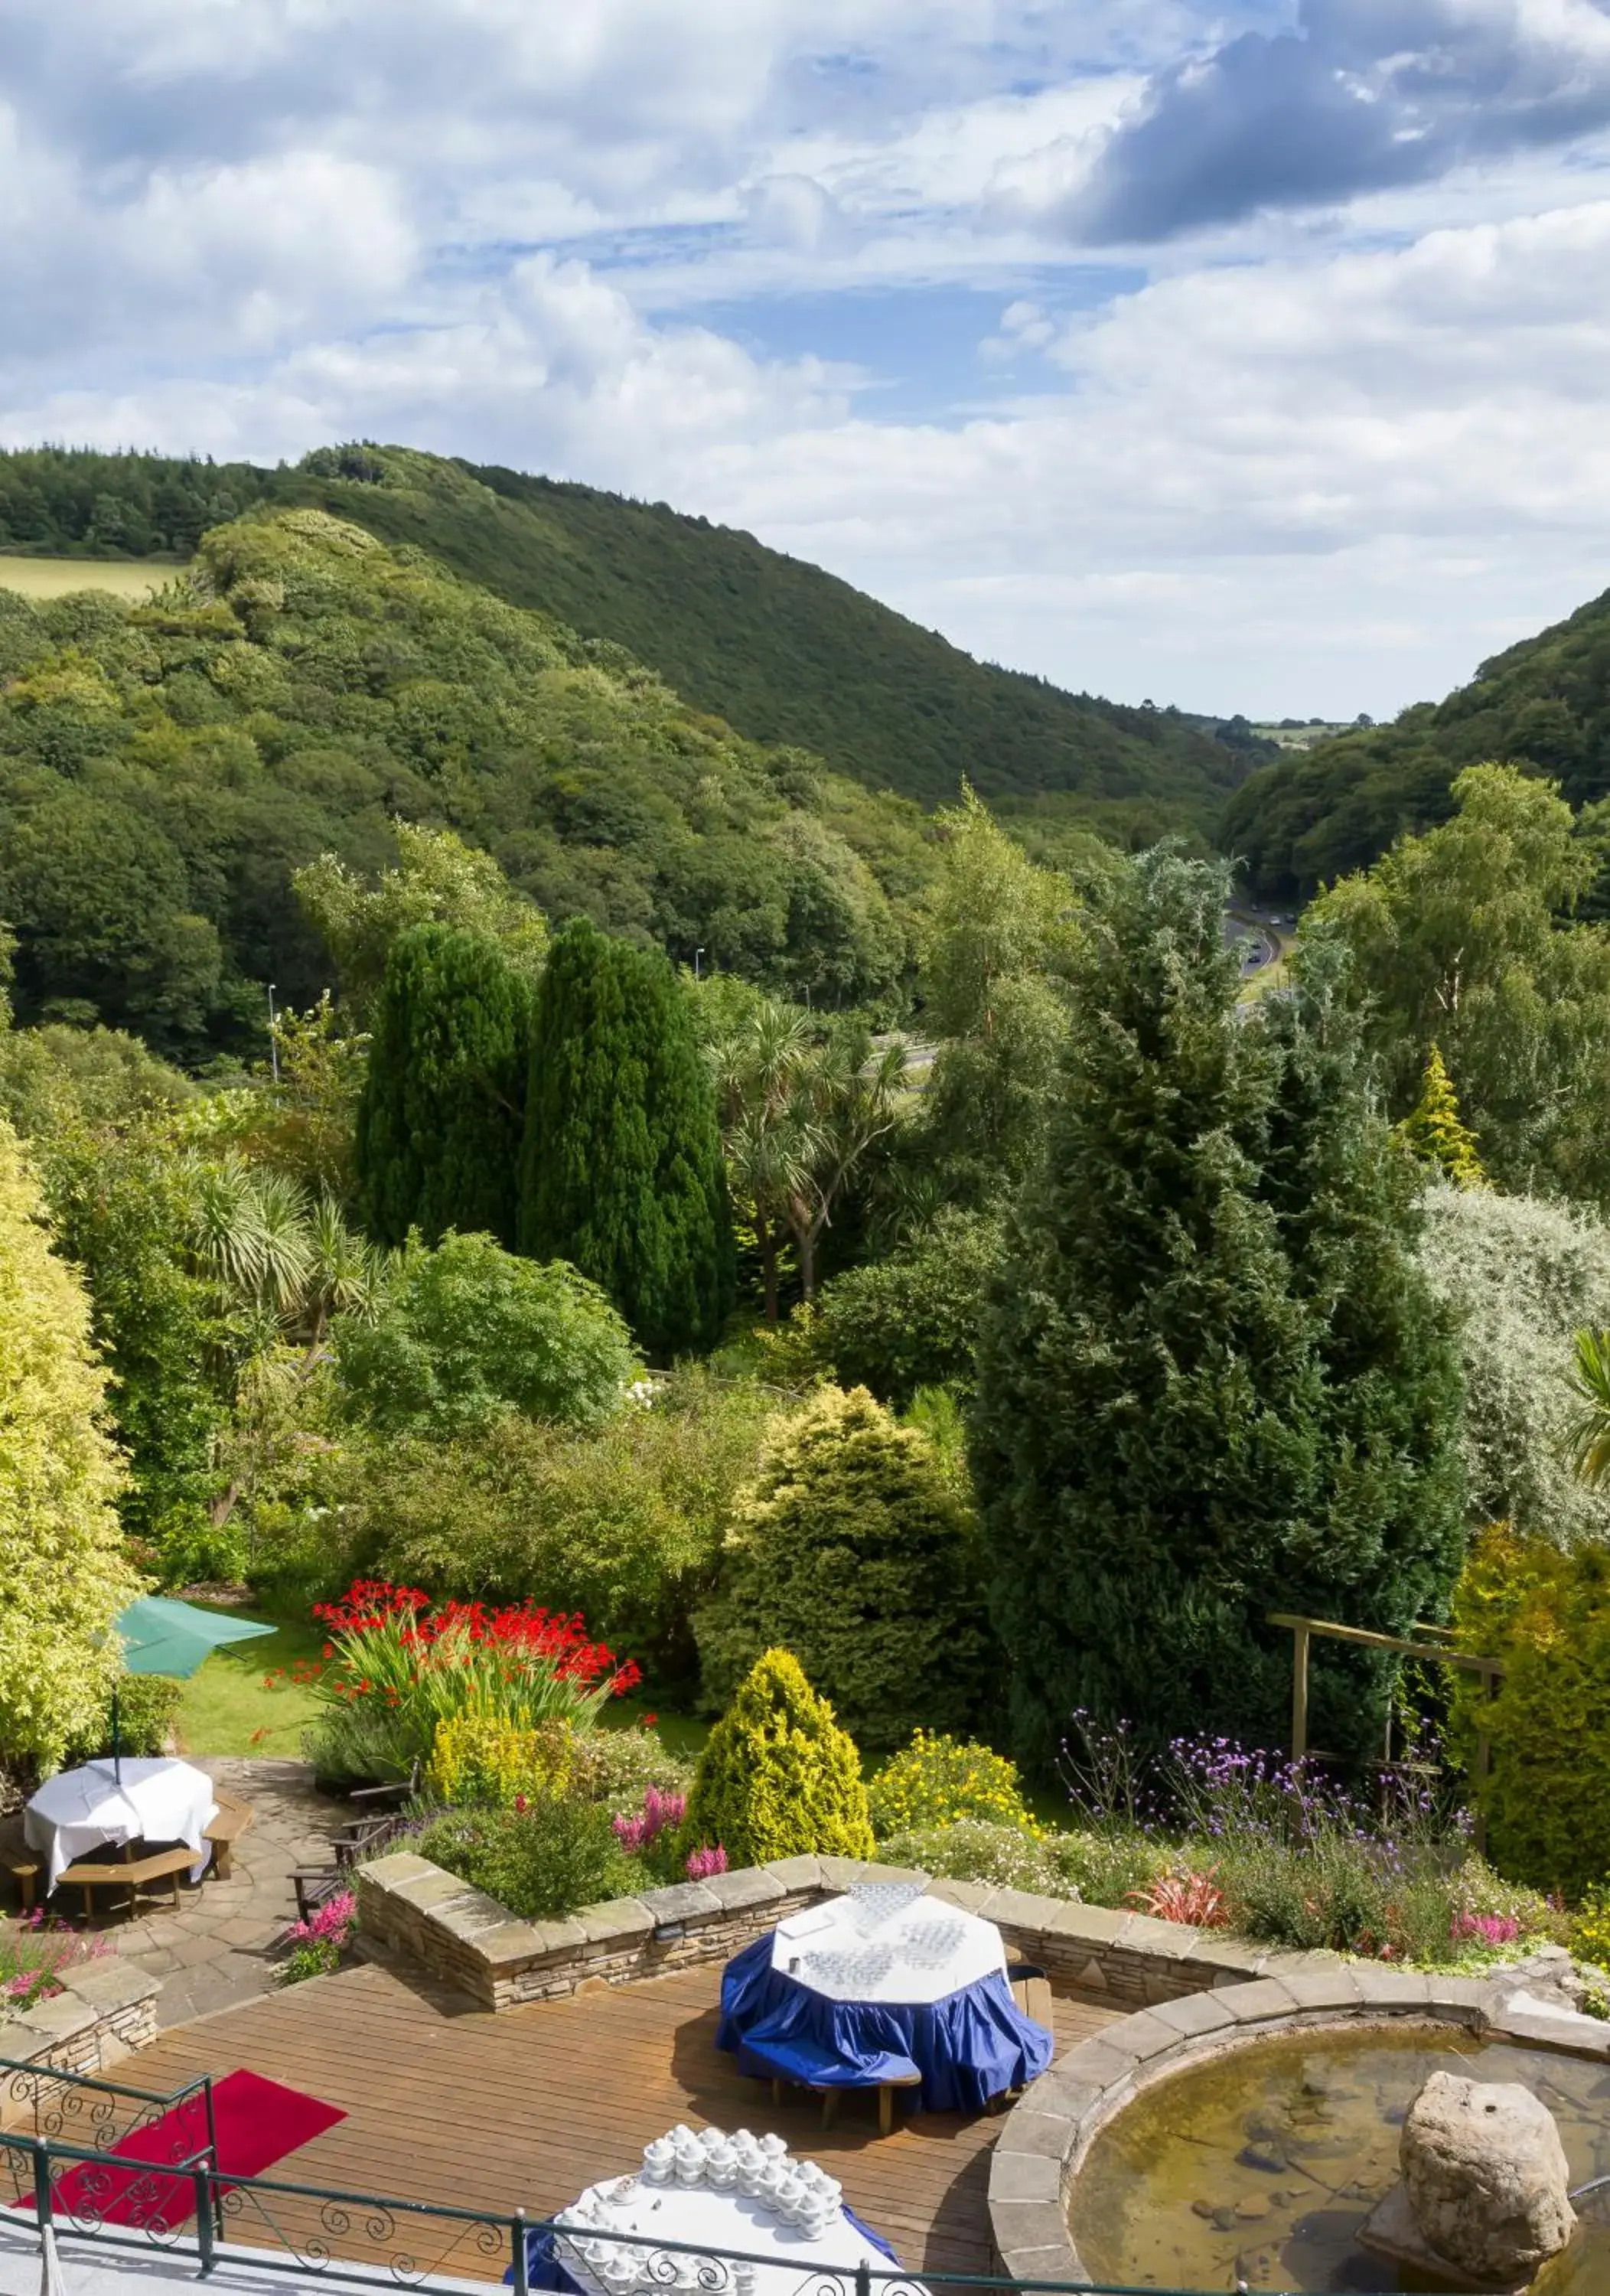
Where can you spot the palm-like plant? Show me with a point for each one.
(1590, 1437)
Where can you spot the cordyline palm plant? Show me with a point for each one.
(1590, 1437)
(280, 1261)
(797, 1114)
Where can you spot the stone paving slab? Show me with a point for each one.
(215, 1949)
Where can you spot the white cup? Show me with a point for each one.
(774, 2147)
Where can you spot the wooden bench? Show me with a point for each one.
(234, 1819)
(128, 1874)
(25, 1866)
(890, 2073)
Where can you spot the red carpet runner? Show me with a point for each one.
(257, 2122)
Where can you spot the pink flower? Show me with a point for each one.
(703, 1862)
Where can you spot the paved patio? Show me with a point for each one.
(214, 1951)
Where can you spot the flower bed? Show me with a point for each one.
(35, 1959)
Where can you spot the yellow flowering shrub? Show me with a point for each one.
(476, 1761)
(1590, 1931)
(938, 1780)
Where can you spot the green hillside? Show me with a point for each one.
(782, 650)
(166, 765)
(1316, 814)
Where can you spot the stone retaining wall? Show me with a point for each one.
(105, 2009)
(409, 1909)
(1045, 2140)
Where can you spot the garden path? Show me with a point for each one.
(447, 2104)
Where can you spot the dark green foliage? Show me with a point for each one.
(621, 1171)
(541, 1862)
(911, 1320)
(440, 1121)
(854, 1550)
(1319, 813)
(148, 1707)
(1210, 1384)
(469, 1332)
(167, 768)
(782, 651)
(118, 1203)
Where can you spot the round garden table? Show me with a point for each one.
(139, 1799)
(884, 1986)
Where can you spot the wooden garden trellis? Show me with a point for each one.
(1440, 1653)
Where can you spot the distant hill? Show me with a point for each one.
(1317, 814)
(782, 650)
(166, 764)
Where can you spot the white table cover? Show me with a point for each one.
(724, 2221)
(923, 1954)
(80, 1811)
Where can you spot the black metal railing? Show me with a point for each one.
(177, 2201)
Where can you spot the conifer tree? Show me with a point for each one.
(1433, 1132)
(64, 1575)
(1210, 1381)
(439, 1128)
(778, 1777)
(621, 1172)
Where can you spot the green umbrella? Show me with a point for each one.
(160, 1636)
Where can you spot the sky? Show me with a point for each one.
(1246, 358)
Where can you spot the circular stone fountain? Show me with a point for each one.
(1250, 2133)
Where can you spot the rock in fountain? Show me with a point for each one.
(1486, 2177)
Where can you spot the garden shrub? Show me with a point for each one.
(469, 1332)
(778, 1777)
(937, 1780)
(1547, 1796)
(63, 1574)
(623, 1522)
(854, 1550)
(909, 1321)
(618, 1766)
(1590, 1931)
(541, 1862)
(979, 1850)
(479, 1760)
(148, 1707)
(1106, 1868)
(1522, 1275)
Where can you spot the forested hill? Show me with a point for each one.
(166, 765)
(783, 652)
(1316, 814)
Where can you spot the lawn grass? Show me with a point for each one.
(54, 577)
(229, 1709)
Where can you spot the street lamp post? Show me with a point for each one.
(697, 954)
(273, 1042)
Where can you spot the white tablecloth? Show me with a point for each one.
(923, 1953)
(725, 2221)
(80, 1811)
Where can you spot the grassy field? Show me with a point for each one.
(243, 1702)
(52, 577)
(230, 1709)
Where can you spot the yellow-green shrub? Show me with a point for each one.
(937, 1780)
(1590, 1931)
(1547, 1615)
(476, 1760)
(778, 1777)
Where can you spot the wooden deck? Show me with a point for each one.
(447, 2104)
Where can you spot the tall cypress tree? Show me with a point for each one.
(621, 1173)
(1210, 1383)
(439, 1125)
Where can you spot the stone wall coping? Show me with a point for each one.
(104, 2008)
(1046, 2138)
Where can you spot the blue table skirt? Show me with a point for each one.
(969, 2047)
(545, 2270)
